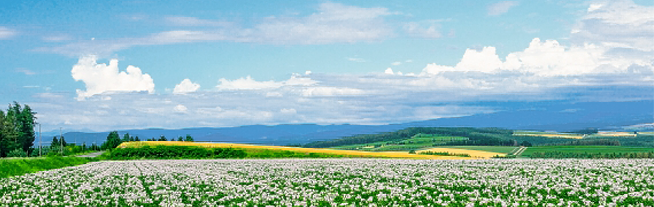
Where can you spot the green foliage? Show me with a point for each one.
(18, 152)
(188, 138)
(413, 152)
(113, 140)
(174, 152)
(16, 128)
(586, 142)
(16, 167)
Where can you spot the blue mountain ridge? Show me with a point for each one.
(555, 116)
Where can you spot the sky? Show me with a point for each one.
(108, 65)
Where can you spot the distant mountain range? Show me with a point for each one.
(556, 116)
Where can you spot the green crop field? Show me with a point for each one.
(500, 149)
(586, 149)
(419, 141)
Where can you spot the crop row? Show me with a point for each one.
(334, 182)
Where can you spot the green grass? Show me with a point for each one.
(498, 149)
(586, 149)
(21, 166)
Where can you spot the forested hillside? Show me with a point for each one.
(477, 136)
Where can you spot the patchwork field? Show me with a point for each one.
(338, 182)
(351, 153)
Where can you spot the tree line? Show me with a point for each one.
(17, 130)
(114, 140)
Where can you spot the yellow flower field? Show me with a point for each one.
(394, 154)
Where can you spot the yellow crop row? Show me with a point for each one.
(395, 154)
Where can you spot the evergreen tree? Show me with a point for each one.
(137, 139)
(62, 141)
(54, 143)
(27, 121)
(180, 139)
(113, 140)
(125, 137)
(188, 138)
(162, 138)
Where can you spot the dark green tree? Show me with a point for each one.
(125, 137)
(62, 141)
(54, 143)
(137, 139)
(180, 138)
(188, 138)
(27, 121)
(113, 140)
(162, 138)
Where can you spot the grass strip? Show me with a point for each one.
(21, 166)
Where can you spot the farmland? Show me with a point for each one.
(586, 149)
(326, 182)
(259, 149)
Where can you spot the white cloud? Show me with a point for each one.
(248, 83)
(416, 30)
(620, 23)
(485, 60)
(500, 7)
(358, 60)
(193, 21)
(396, 63)
(25, 71)
(6, 33)
(57, 38)
(332, 23)
(186, 86)
(288, 111)
(331, 91)
(102, 78)
(180, 108)
(274, 94)
(542, 58)
(389, 71)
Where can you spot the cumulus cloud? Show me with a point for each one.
(186, 86)
(543, 58)
(6, 33)
(500, 7)
(102, 78)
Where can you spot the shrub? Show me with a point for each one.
(17, 153)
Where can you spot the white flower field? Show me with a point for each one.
(338, 182)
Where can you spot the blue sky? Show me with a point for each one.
(370, 62)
